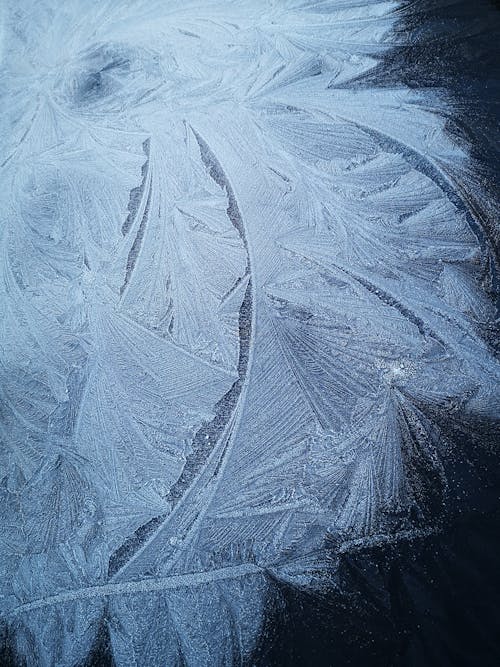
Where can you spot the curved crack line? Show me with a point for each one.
(438, 173)
(138, 207)
(136, 194)
(213, 440)
(141, 586)
(383, 295)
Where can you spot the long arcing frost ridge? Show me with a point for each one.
(238, 283)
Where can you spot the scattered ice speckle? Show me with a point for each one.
(237, 287)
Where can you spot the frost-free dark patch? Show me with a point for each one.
(248, 379)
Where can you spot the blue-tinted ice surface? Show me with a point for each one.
(237, 287)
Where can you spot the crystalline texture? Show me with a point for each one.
(236, 288)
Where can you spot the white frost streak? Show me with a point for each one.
(236, 289)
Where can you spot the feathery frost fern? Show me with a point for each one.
(236, 284)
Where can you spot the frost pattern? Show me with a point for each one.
(236, 289)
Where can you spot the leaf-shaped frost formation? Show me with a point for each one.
(243, 293)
